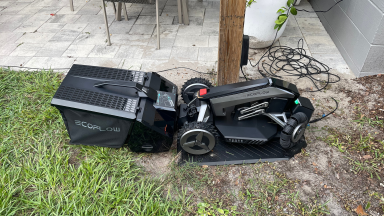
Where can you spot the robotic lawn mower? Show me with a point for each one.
(259, 120)
(248, 122)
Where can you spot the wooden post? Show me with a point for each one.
(232, 14)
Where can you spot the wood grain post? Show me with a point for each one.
(232, 13)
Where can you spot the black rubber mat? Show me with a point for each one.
(234, 153)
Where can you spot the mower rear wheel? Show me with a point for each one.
(197, 138)
(192, 86)
(293, 130)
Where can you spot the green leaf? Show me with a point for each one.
(221, 211)
(290, 2)
(281, 19)
(276, 26)
(293, 11)
(281, 11)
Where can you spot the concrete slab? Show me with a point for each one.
(74, 51)
(185, 53)
(104, 51)
(191, 41)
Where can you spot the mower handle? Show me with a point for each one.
(143, 91)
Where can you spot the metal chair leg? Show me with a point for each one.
(118, 14)
(125, 12)
(114, 7)
(179, 11)
(185, 12)
(71, 5)
(106, 23)
(158, 25)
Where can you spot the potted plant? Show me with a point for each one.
(264, 18)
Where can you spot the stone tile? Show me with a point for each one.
(90, 8)
(292, 22)
(91, 39)
(185, 53)
(130, 52)
(95, 29)
(125, 39)
(15, 7)
(95, 19)
(104, 51)
(37, 38)
(211, 17)
(9, 37)
(167, 31)
(100, 62)
(190, 41)
(120, 27)
(213, 41)
(193, 20)
(321, 44)
(65, 35)
(292, 42)
(51, 27)
(190, 30)
(64, 18)
(50, 62)
(196, 12)
(154, 53)
(210, 29)
(33, 23)
(50, 3)
(16, 61)
(168, 11)
(48, 11)
(208, 54)
(132, 64)
(5, 3)
(26, 49)
(75, 51)
(7, 49)
(9, 26)
(142, 30)
(14, 18)
(292, 32)
(147, 20)
(200, 4)
(164, 42)
(149, 11)
(30, 10)
(53, 49)
(311, 26)
(74, 27)
(335, 61)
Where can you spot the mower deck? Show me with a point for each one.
(234, 153)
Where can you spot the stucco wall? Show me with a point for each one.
(357, 28)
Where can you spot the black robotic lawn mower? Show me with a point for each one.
(259, 120)
(248, 122)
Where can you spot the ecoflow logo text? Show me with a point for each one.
(96, 127)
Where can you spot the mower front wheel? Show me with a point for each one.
(293, 130)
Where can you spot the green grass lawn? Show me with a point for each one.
(41, 174)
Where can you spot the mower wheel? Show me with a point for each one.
(197, 138)
(293, 130)
(193, 85)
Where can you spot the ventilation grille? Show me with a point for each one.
(107, 73)
(252, 142)
(92, 98)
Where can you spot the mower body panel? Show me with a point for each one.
(112, 107)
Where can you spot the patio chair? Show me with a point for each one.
(126, 16)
